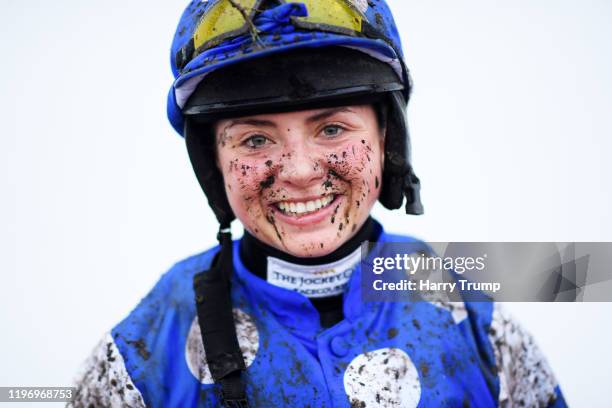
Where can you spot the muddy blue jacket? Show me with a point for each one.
(383, 354)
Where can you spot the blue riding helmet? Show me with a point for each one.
(278, 29)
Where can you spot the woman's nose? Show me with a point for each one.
(302, 165)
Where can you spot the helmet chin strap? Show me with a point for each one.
(216, 319)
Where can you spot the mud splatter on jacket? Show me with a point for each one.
(381, 355)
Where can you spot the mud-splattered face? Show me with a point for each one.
(303, 182)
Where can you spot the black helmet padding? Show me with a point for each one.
(289, 81)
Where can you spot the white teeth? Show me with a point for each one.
(304, 207)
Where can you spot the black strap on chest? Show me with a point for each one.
(216, 319)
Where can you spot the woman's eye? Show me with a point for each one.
(256, 141)
(332, 131)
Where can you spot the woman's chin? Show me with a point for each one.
(314, 244)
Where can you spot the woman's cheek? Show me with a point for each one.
(247, 182)
(239, 181)
(358, 164)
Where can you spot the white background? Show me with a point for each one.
(510, 120)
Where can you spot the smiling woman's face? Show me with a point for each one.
(303, 182)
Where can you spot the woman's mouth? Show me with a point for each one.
(297, 208)
(308, 212)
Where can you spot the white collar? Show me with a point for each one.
(313, 281)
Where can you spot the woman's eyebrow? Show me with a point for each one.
(327, 113)
(252, 122)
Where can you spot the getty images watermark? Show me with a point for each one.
(431, 263)
(487, 271)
